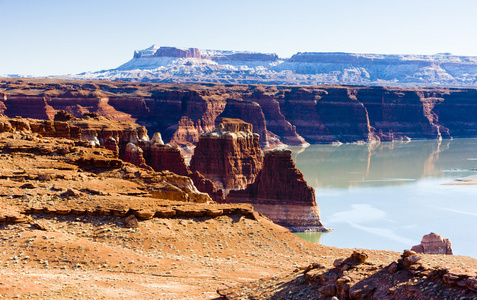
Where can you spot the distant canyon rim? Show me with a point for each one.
(186, 65)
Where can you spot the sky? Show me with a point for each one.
(57, 37)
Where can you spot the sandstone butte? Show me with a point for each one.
(77, 221)
(279, 114)
(229, 156)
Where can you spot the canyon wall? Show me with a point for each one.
(279, 114)
(281, 193)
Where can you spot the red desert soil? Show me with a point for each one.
(77, 223)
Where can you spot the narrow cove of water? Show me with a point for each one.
(387, 196)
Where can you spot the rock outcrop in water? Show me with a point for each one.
(433, 243)
(229, 156)
(281, 193)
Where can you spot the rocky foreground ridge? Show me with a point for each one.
(355, 277)
(279, 114)
(170, 64)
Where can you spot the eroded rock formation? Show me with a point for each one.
(433, 243)
(229, 156)
(135, 155)
(281, 193)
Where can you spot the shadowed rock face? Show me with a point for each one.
(433, 243)
(229, 156)
(281, 193)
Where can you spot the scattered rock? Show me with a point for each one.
(28, 186)
(131, 222)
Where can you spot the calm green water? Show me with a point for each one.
(388, 196)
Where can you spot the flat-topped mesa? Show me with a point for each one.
(177, 52)
(281, 193)
(229, 156)
(433, 243)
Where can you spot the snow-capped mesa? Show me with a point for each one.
(171, 64)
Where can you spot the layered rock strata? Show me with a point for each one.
(230, 156)
(281, 193)
(280, 114)
(433, 243)
(75, 155)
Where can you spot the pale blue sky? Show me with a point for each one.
(47, 37)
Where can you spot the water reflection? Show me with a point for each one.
(314, 237)
(387, 196)
(352, 165)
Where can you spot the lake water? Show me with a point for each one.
(387, 196)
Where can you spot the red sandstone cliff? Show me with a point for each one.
(276, 124)
(281, 193)
(229, 156)
(433, 243)
(280, 114)
(182, 115)
(46, 128)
